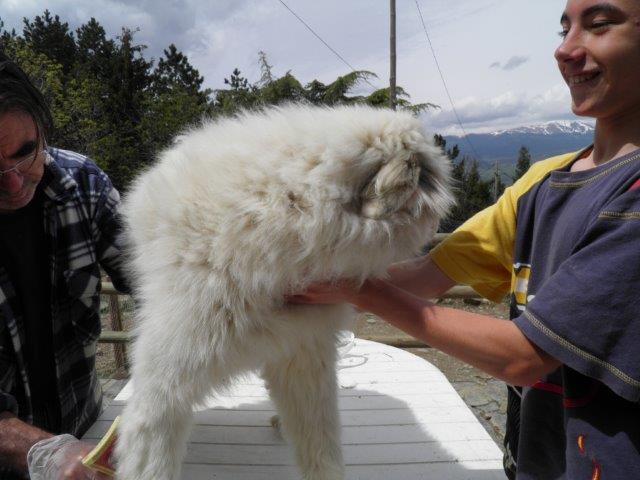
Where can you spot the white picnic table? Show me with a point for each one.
(401, 420)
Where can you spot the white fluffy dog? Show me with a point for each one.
(235, 215)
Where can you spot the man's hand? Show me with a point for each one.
(59, 458)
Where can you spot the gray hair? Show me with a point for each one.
(18, 94)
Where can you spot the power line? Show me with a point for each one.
(446, 89)
(325, 43)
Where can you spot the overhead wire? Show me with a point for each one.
(325, 43)
(446, 88)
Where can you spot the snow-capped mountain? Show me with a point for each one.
(550, 128)
(543, 140)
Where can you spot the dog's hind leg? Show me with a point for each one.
(304, 389)
(172, 373)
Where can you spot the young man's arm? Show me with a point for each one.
(496, 346)
(421, 277)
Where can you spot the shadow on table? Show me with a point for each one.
(383, 438)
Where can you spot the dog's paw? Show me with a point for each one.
(275, 423)
(143, 453)
(334, 473)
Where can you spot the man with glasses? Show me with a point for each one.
(58, 225)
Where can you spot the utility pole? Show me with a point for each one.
(392, 74)
(496, 181)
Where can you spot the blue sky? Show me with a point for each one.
(496, 55)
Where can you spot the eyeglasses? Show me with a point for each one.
(24, 164)
(9, 69)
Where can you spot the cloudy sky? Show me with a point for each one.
(496, 55)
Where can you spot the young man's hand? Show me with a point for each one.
(326, 293)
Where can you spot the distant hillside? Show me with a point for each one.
(543, 140)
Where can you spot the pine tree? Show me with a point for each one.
(50, 36)
(478, 193)
(240, 94)
(452, 153)
(7, 39)
(471, 192)
(496, 183)
(523, 163)
(337, 92)
(380, 98)
(174, 72)
(458, 176)
(94, 50)
(121, 149)
(283, 89)
(315, 92)
(174, 101)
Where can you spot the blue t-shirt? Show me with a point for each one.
(566, 246)
(580, 233)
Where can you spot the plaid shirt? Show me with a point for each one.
(81, 226)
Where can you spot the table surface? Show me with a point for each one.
(401, 419)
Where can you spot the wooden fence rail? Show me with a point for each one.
(120, 338)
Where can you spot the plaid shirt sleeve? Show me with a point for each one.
(108, 234)
(8, 403)
(8, 335)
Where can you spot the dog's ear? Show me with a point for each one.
(391, 187)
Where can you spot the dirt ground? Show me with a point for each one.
(485, 395)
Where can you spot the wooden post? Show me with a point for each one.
(115, 317)
(392, 67)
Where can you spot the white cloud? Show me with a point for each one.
(467, 35)
(507, 110)
(511, 64)
(514, 62)
(160, 23)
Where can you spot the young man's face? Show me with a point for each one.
(19, 140)
(599, 56)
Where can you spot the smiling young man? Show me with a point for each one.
(563, 242)
(58, 224)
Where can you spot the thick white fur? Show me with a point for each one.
(234, 216)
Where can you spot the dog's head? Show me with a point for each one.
(369, 183)
(407, 178)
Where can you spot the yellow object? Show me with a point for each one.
(98, 458)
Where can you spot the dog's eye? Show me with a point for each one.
(413, 161)
(425, 179)
(368, 184)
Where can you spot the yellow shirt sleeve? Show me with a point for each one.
(479, 253)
